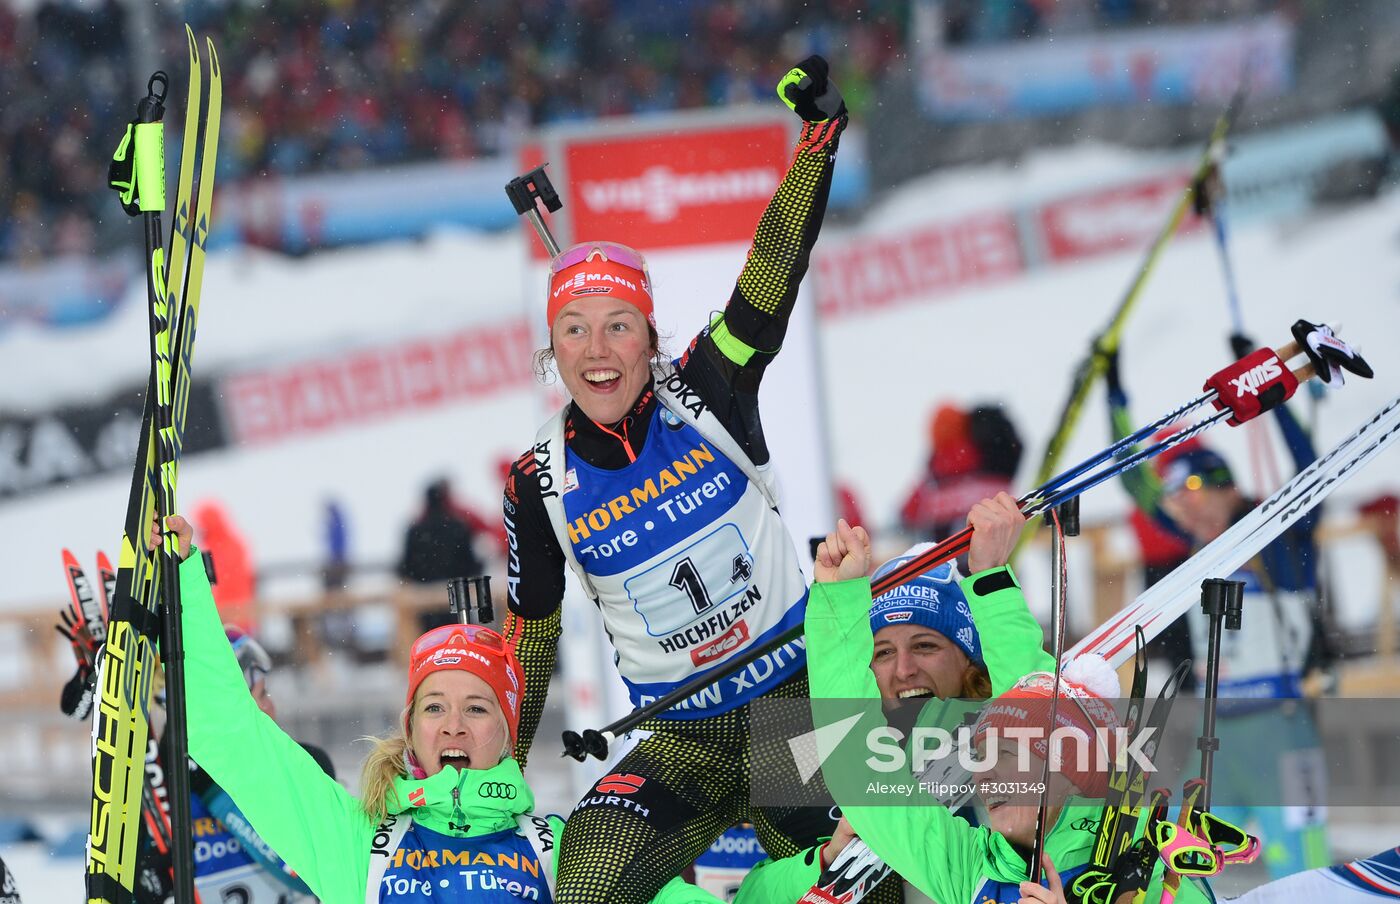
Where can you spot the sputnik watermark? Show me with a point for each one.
(930, 745)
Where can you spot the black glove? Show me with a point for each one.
(1205, 191)
(1110, 367)
(76, 698)
(1329, 355)
(1241, 345)
(808, 91)
(1133, 868)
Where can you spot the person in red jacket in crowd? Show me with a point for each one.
(974, 456)
(235, 589)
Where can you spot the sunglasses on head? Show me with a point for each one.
(608, 251)
(475, 634)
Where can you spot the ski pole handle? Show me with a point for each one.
(460, 594)
(523, 190)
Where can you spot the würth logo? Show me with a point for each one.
(1257, 376)
(416, 798)
(621, 783)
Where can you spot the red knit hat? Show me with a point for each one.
(1088, 686)
(604, 270)
(470, 648)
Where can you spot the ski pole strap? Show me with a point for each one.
(1234, 843)
(137, 171)
(1256, 383)
(1184, 852)
(1330, 356)
(1093, 886)
(1131, 872)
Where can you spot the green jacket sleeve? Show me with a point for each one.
(1013, 644)
(934, 850)
(1141, 482)
(781, 881)
(770, 882)
(309, 819)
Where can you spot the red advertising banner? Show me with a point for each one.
(888, 270)
(703, 186)
(1115, 219)
(309, 397)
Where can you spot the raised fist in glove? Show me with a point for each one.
(1108, 360)
(808, 91)
(76, 698)
(1329, 354)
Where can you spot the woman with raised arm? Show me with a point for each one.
(654, 485)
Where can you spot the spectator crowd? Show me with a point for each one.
(333, 85)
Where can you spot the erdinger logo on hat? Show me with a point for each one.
(933, 600)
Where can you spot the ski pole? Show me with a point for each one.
(523, 190)
(144, 193)
(1092, 366)
(1223, 603)
(595, 741)
(463, 592)
(1237, 403)
(1064, 521)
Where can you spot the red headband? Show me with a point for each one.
(601, 279)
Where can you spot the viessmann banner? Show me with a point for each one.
(702, 183)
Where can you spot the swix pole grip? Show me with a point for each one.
(1256, 383)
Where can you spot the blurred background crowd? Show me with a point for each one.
(334, 85)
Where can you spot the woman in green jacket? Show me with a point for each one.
(939, 853)
(446, 815)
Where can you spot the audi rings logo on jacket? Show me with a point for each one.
(497, 790)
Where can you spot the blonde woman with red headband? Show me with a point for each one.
(445, 814)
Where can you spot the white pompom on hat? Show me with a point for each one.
(1093, 673)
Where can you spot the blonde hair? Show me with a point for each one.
(385, 763)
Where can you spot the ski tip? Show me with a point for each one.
(214, 71)
(191, 43)
(69, 560)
